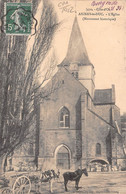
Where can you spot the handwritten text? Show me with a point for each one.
(66, 7)
(103, 3)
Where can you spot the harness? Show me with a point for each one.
(76, 177)
(45, 177)
(48, 175)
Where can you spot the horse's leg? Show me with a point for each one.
(76, 184)
(51, 185)
(38, 187)
(65, 184)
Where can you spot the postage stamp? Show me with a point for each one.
(18, 18)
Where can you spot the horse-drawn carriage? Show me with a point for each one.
(15, 182)
(21, 182)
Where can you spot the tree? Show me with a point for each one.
(20, 89)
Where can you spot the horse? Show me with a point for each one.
(49, 176)
(74, 176)
(56, 175)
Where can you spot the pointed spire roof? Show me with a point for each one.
(76, 52)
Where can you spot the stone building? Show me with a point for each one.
(79, 124)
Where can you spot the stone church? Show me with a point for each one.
(78, 125)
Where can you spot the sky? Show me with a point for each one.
(105, 41)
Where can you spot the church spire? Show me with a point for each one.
(76, 52)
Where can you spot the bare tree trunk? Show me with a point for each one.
(3, 159)
(18, 82)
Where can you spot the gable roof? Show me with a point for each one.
(76, 52)
(61, 76)
(103, 96)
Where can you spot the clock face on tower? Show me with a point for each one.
(74, 66)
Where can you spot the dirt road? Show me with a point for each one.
(96, 182)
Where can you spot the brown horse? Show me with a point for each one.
(74, 176)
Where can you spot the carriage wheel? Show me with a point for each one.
(6, 191)
(22, 185)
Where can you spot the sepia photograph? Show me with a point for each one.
(62, 96)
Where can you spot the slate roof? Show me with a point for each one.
(76, 52)
(103, 96)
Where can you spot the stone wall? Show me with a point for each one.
(96, 132)
(51, 134)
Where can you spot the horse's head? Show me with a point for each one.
(85, 171)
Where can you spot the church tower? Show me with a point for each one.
(77, 60)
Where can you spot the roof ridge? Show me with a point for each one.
(104, 89)
(76, 80)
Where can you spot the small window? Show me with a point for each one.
(64, 117)
(75, 74)
(98, 149)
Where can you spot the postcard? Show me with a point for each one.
(62, 96)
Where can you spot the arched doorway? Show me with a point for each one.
(63, 158)
(98, 164)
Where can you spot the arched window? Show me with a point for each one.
(98, 149)
(75, 74)
(30, 150)
(64, 117)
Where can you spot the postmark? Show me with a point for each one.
(18, 18)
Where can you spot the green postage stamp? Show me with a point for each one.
(18, 18)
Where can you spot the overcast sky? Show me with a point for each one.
(105, 43)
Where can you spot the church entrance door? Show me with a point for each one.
(63, 158)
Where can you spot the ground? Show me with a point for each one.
(98, 183)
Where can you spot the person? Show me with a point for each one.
(16, 17)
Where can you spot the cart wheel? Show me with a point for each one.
(22, 185)
(6, 191)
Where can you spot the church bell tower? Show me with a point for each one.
(77, 60)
